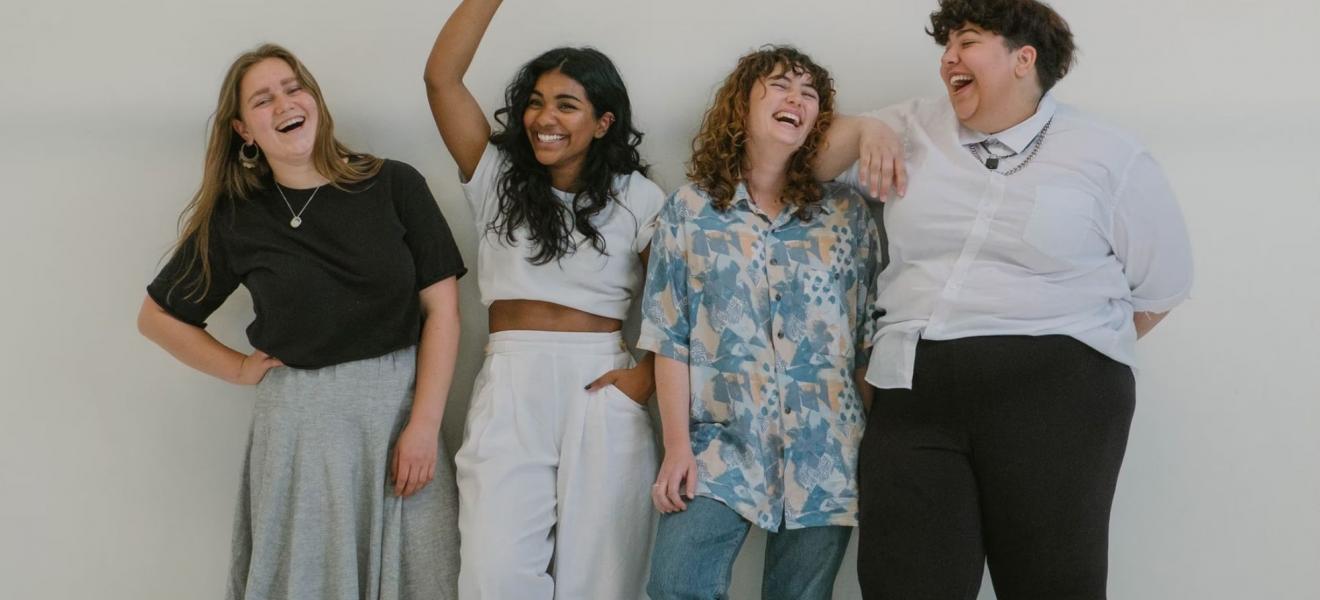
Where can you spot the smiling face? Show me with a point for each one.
(561, 123)
(989, 85)
(277, 113)
(782, 108)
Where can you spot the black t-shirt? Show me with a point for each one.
(341, 287)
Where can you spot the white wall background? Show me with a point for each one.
(119, 467)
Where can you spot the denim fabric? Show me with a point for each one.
(695, 550)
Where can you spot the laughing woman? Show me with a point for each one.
(558, 450)
(1035, 245)
(353, 275)
(759, 281)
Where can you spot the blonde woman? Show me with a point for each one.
(353, 273)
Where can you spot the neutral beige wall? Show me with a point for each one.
(118, 467)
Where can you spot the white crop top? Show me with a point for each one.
(587, 280)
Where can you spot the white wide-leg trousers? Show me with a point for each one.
(554, 481)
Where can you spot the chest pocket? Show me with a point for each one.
(818, 316)
(1060, 224)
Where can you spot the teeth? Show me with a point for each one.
(547, 137)
(958, 80)
(788, 116)
(290, 123)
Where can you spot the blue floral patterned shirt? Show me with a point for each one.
(772, 317)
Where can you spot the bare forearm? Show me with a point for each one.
(1146, 321)
(673, 392)
(192, 346)
(436, 354)
(457, 114)
(457, 42)
(842, 145)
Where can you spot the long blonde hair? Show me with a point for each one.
(225, 179)
(720, 147)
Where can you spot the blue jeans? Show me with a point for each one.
(695, 549)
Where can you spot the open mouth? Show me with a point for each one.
(959, 82)
(291, 124)
(784, 116)
(550, 138)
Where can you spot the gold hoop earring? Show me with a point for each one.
(249, 162)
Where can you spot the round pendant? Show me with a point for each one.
(295, 222)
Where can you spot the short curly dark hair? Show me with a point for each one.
(1021, 22)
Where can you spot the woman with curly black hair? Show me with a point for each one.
(558, 450)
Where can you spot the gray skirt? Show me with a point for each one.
(317, 518)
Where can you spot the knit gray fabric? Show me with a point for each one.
(317, 518)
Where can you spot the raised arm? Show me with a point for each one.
(879, 148)
(457, 115)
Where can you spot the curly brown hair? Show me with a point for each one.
(1021, 22)
(719, 149)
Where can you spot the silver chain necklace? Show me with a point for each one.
(297, 216)
(993, 162)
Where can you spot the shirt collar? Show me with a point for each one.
(1019, 136)
(743, 200)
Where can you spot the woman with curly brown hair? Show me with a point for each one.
(1035, 245)
(755, 300)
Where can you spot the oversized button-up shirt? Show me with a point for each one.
(771, 317)
(1085, 234)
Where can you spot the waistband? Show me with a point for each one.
(556, 342)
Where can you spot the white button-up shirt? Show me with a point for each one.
(1072, 244)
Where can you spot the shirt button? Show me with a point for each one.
(780, 335)
(788, 410)
(778, 297)
(774, 261)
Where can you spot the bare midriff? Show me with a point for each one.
(535, 315)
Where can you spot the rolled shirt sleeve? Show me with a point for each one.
(1150, 238)
(666, 329)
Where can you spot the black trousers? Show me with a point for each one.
(1006, 450)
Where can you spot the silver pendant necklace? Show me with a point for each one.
(297, 216)
(993, 162)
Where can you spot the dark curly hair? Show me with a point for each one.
(1021, 22)
(720, 147)
(526, 198)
